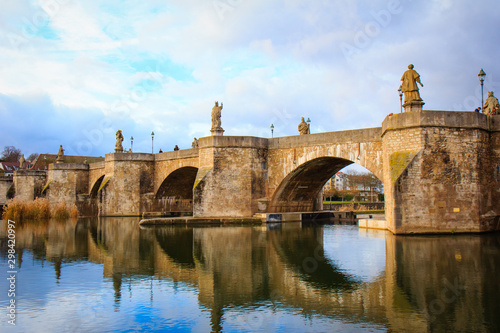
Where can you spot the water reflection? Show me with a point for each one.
(262, 278)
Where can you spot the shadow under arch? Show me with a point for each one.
(175, 193)
(300, 188)
(95, 188)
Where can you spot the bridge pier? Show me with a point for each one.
(28, 184)
(128, 190)
(441, 172)
(232, 176)
(68, 182)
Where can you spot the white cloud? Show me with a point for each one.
(267, 61)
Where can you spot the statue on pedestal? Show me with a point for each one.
(216, 119)
(22, 162)
(303, 127)
(491, 106)
(195, 143)
(119, 140)
(60, 155)
(410, 78)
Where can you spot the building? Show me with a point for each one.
(338, 181)
(7, 168)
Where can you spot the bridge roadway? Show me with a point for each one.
(441, 173)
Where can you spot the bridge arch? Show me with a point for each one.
(95, 187)
(299, 190)
(175, 194)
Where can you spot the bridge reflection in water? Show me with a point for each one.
(428, 284)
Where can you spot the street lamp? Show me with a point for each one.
(308, 121)
(152, 139)
(400, 92)
(482, 76)
(272, 130)
(131, 143)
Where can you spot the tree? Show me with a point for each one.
(10, 154)
(32, 157)
(363, 180)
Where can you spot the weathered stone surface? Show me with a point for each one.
(67, 181)
(130, 179)
(5, 184)
(299, 166)
(28, 184)
(231, 176)
(441, 172)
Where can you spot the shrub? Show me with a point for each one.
(60, 211)
(39, 209)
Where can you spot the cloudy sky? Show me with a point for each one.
(73, 72)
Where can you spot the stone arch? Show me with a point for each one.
(95, 188)
(11, 192)
(175, 194)
(299, 190)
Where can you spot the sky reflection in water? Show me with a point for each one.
(110, 275)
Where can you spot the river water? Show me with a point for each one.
(110, 275)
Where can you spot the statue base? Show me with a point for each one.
(118, 150)
(413, 106)
(217, 131)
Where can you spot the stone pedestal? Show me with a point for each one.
(413, 106)
(217, 131)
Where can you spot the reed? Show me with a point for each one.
(39, 209)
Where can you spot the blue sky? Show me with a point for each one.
(74, 72)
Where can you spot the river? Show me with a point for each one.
(110, 275)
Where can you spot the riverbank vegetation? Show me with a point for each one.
(39, 209)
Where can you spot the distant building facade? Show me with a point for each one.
(338, 181)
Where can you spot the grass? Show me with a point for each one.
(39, 209)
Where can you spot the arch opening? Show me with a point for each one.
(175, 194)
(95, 188)
(301, 189)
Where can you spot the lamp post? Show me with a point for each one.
(272, 130)
(400, 92)
(308, 121)
(152, 139)
(482, 76)
(131, 143)
(45, 161)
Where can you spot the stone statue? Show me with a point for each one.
(216, 121)
(303, 127)
(60, 155)
(22, 162)
(410, 89)
(119, 140)
(195, 143)
(491, 106)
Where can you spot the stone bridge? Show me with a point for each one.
(440, 169)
